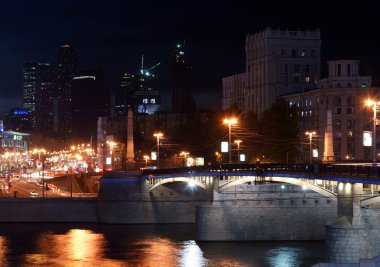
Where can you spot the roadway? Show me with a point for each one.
(24, 186)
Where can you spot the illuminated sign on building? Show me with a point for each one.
(242, 157)
(153, 155)
(20, 112)
(224, 147)
(367, 138)
(17, 137)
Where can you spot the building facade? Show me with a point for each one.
(277, 62)
(344, 93)
(234, 88)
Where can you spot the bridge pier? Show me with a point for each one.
(355, 234)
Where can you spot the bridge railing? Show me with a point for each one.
(259, 169)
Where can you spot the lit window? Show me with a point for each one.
(153, 101)
(145, 101)
(307, 79)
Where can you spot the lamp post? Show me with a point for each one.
(374, 105)
(184, 154)
(229, 123)
(158, 136)
(310, 134)
(238, 148)
(146, 157)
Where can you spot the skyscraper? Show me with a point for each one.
(182, 99)
(44, 98)
(29, 90)
(65, 74)
(125, 96)
(89, 101)
(38, 95)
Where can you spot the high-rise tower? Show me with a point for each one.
(38, 95)
(125, 96)
(65, 74)
(182, 99)
(89, 101)
(29, 92)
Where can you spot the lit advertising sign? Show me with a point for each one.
(17, 137)
(20, 112)
(108, 161)
(242, 157)
(315, 153)
(367, 138)
(153, 155)
(224, 146)
(199, 161)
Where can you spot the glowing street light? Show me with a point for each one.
(230, 122)
(374, 105)
(146, 157)
(238, 148)
(158, 135)
(310, 134)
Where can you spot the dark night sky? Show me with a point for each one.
(113, 35)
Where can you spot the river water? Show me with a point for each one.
(141, 245)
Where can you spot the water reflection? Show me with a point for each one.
(141, 245)
(3, 250)
(191, 255)
(283, 257)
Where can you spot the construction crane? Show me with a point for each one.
(146, 71)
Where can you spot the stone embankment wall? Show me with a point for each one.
(303, 219)
(48, 210)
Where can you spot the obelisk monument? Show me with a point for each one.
(130, 147)
(328, 152)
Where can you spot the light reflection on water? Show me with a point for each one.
(141, 245)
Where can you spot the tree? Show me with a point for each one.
(278, 130)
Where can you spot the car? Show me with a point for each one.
(33, 193)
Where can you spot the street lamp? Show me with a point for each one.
(146, 157)
(184, 154)
(229, 123)
(158, 136)
(374, 105)
(238, 148)
(310, 134)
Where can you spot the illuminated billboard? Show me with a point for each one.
(367, 138)
(224, 147)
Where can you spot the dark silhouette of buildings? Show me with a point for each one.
(182, 99)
(139, 91)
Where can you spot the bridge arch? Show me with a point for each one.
(177, 179)
(287, 180)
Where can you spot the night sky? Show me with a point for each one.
(113, 35)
